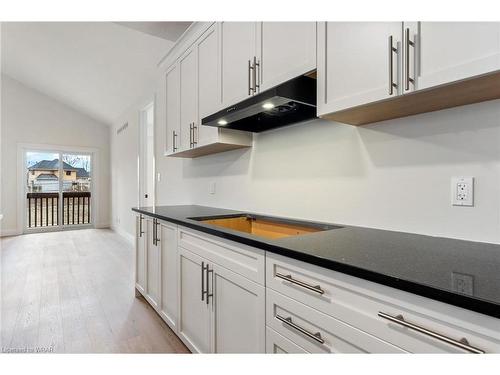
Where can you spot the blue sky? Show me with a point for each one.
(35, 157)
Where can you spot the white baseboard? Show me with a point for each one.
(102, 225)
(127, 236)
(9, 232)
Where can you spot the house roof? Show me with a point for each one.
(82, 173)
(51, 165)
(47, 176)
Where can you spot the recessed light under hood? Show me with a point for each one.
(286, 104)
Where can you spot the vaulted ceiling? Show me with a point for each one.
(98, 68)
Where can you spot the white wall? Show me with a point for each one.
(392, 175)
(28, 116)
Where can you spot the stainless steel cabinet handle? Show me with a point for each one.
(153, 234)
(157, 239)
(195, 141)
(256, 66)
(174, 147)
(250, 88)
(392, 50)
(289, 278)
(408, 44)
(462, 343)
(208, 283)
(203, 280)
(288, 321)
(190, 135)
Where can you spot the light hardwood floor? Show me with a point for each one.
(73, 292)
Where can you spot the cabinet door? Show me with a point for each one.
(287, 50)
(238, 313)
(169, 265)
(451, 51)
(238, 42)
(209, 84)
(189, 97)
(354, 61)
(140, 254)
(172, 109)
(194, 314)
(152, 267)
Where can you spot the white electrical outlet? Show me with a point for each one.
(211, 188)
(462, 191)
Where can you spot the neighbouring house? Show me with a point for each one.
(44, 177)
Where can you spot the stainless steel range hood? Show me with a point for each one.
(291, 102)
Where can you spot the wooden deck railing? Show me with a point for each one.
(43, 208)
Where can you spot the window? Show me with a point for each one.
(68, 173)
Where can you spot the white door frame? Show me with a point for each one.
(21, 198)
(140, 152)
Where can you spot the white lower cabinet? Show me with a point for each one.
(140, 254)
(220, 296)
(152, 265)
(194, 312)
(169, 278)
(237, 313)
(317, 332)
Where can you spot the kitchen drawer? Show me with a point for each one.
(277, 344)
(244, 260)
(317, 332)
(358, 303)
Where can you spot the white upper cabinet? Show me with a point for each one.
(172, 109)
(355, 61)
(239, 45)
(209, 83)
(444, 52)
(286, 50)
(189, 98)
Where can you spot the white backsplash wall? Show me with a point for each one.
(393, 175)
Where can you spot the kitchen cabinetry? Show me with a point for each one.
(153, 270)
(443, 52)
(222, 296)
(386, 70)
(237, 312)
(357, 63)
(239, 47)
(173, 125)
(188, 98)
(285, 50)
(140, 254)
(379, 312)
(221, 311)
(199, 90)
(169, 259)
(194, 312)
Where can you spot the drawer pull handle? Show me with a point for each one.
(288, 321)
(462, 343)
(314, 288)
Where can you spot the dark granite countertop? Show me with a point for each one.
(418, 264)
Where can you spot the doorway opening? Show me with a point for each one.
(146, 173)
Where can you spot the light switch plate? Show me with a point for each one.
(462, 191)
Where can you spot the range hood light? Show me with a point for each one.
(268, 105)
(222, 122)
